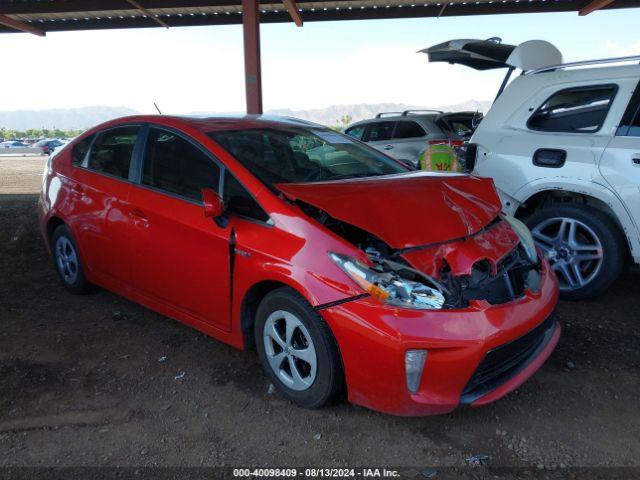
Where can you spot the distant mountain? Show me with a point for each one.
(84, 117)
(331, 115)
(62, 118)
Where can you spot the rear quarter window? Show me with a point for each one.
(574, 110)
(79, 150)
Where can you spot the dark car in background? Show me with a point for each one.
(48, 146)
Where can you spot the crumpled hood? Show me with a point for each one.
(406, 210)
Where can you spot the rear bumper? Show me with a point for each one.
(373, 339)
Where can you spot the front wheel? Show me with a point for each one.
(297, 349)
(584, 246)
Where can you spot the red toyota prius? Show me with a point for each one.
(341, 266)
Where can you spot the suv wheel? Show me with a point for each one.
(297, 349)
(584, 246)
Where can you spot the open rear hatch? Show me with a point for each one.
(492, 53)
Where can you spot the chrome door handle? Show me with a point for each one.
(388, 147)
(636, 161)
(77, 190)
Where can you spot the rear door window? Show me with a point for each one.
(379, 131)
(177, 166)
(408, 130)
(574, 110)
(112, 151)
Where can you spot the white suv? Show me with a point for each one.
(562, 144)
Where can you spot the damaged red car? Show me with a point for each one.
(341, 266)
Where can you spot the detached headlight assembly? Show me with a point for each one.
(526, 239)
(388, 286)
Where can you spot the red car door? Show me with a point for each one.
(100, 190)
(179, 257)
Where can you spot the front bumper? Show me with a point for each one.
(373, 339)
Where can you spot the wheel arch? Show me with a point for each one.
(591, 194)
(249, 306)
(53, 223)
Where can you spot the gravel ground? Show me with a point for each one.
(98, 381)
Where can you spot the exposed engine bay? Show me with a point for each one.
(396, 280)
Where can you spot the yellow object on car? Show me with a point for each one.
(440, 157)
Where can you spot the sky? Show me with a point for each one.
(194, 69)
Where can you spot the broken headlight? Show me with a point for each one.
(388, 286)
(526, 239)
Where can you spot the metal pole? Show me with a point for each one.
(252, 70)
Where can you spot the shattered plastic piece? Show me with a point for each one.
(317, 436)
(429, 473)
(477, 460)
(271, 389)
(179, 375)
(162, 359)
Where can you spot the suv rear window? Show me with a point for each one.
(408, 130)
(378, 132)
(576, 110)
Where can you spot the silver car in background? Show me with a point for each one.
(406, 135)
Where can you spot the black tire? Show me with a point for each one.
(73, 279)
(614, 249)
(329, 377)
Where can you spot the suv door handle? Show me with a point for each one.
(636, 161)
(388, 147)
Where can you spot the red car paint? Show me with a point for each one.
(452, 207)
(162, 252)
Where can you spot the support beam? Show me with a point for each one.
(18, 25)
(252, 70)
(293, 10)
(593, 6)
(444, 6)
(146, 12)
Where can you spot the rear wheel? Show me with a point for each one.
(297, 350)
(67, 261)
(584, 246)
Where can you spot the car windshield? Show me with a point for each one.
(299, 155)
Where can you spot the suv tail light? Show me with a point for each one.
(470, 155)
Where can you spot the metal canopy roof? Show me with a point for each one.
(64, 15)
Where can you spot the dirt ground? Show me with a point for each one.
(98, 381)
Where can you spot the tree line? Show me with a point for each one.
(12, 134)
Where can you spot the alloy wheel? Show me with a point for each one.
(573, 249)
(289, 350)
(66, 260)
